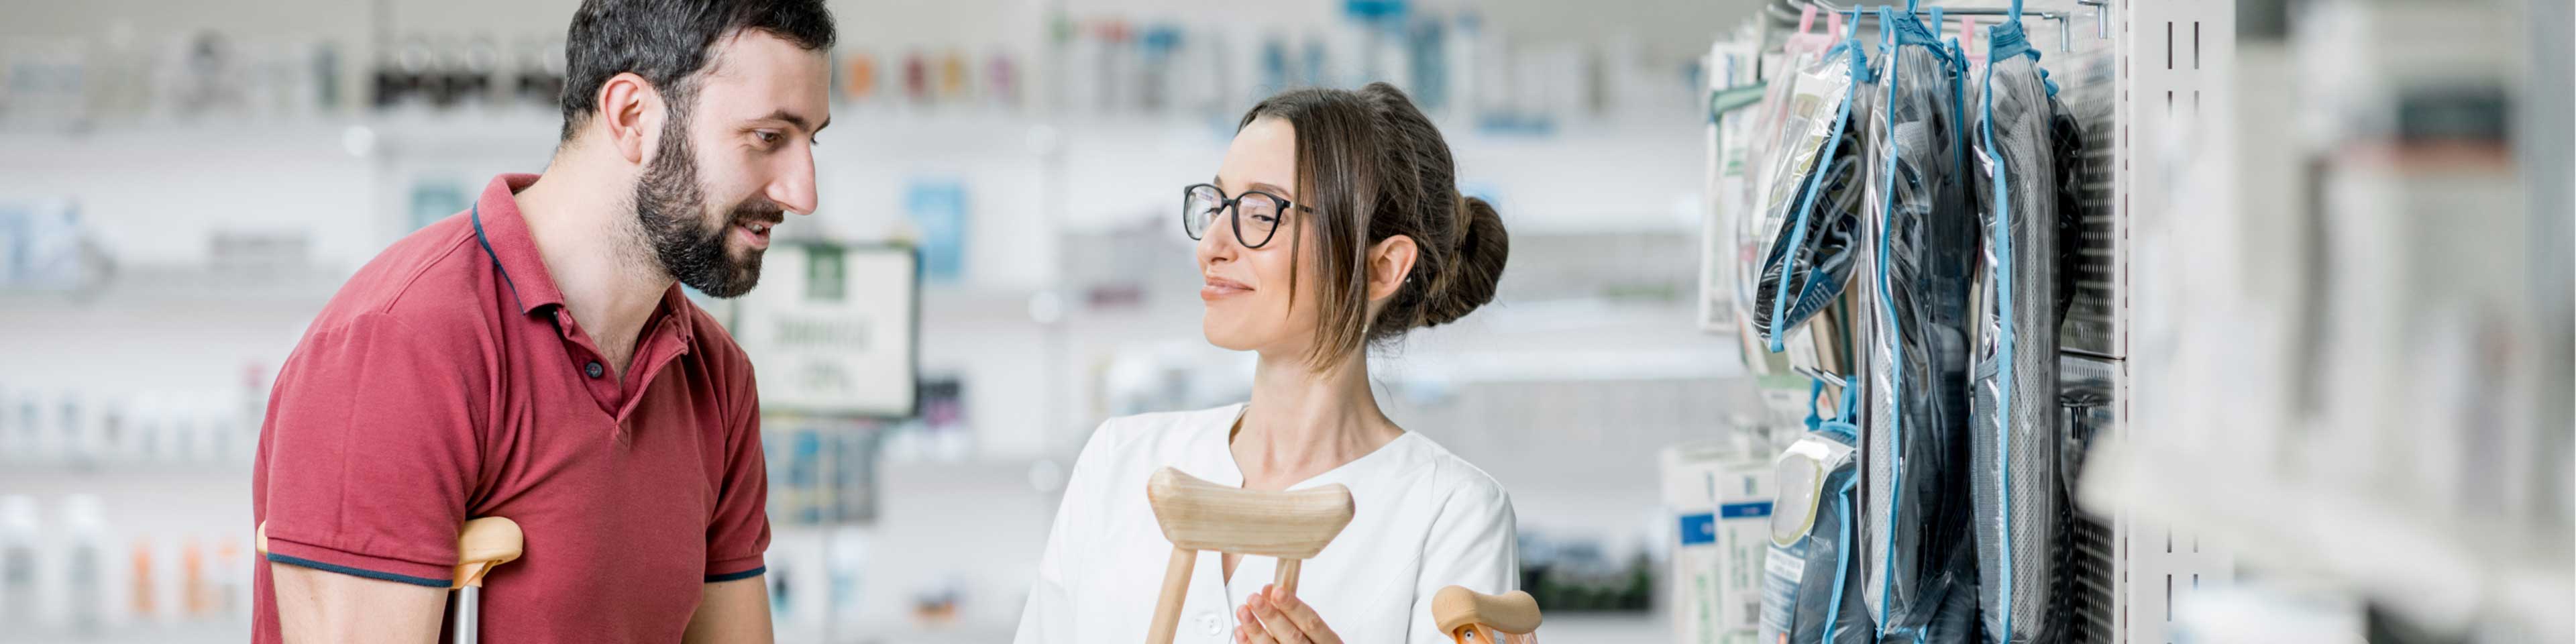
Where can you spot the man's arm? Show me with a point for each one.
(368, 457)
(322, 606)
(732, 612)
(733, 607)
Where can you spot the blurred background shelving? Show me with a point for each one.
(221, 197)
(184, 184)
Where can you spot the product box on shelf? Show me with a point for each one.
(1718, 495)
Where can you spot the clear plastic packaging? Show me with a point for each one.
(1810, 584)
(2017, 489)
(1812, 197)
(1921, 219)
(1808, 267)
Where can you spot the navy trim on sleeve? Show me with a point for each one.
(737, 576)
(359, 572)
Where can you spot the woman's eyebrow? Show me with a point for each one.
(1276, 190)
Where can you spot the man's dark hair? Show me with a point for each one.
(668, 42)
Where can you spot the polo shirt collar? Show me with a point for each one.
(503, 233)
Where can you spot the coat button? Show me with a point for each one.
(1213, 625)
(594, 369)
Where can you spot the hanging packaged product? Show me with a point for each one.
(1923, 226)
(1752, 198)
(1810, 581)
(1732, 72)
(1812, 213)
(19, 534)
(2018, 495)
(1801, 50)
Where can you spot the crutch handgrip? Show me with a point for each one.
(1197, 515)
(483, 544)
(1513, 615)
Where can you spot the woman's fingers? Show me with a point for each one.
(1303, 616)
(1248, 629)
(1278, 625)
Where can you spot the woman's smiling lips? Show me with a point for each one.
(1218, 287)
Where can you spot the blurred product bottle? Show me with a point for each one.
(178, 440)
(36, 422)
(1002, 82)
(70, 428)
(327, 94)
(541, 72)
(58, 444)
(209, 78)
(10, 451)
(253, 413)
(84, 563)
(781, 599)
(953, 85)
(1274, 65)
(448, 79)
(104, 437)
(1116, 63)
(1314, 63)
(470, 79)
(1427, 58)
(121, 89)
(232, 576)
(858, 77)
(196, 597)
(846, 560)
(144, 418)
(140, 582)
(1158, 48)
(18, 534)
(916, 78)
(404, 77)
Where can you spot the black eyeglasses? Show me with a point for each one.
(1257, 214)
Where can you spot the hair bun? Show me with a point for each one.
(1469, 279)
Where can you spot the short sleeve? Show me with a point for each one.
(370, 452)
(1473, 543)
(738, 533)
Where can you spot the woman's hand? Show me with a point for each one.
(1274, 617)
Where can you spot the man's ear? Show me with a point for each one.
(1389, 261)
(629, 110)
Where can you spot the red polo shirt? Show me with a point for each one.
(446, 381)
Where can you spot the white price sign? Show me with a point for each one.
(831, 329)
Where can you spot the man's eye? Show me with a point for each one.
(768, 137)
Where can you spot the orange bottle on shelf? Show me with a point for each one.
(194, 600)
(142, 580)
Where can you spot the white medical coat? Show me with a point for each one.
(1424, 519)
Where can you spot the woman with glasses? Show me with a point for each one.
(1334, 223)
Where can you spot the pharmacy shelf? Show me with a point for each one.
(2436, 575)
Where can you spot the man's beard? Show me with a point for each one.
(670, 215)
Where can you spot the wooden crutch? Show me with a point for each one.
(1471, 617)
(1197, 515)
(481, 545)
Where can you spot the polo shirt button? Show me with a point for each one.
(593, 369)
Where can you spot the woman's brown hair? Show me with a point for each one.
(1371, 166)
